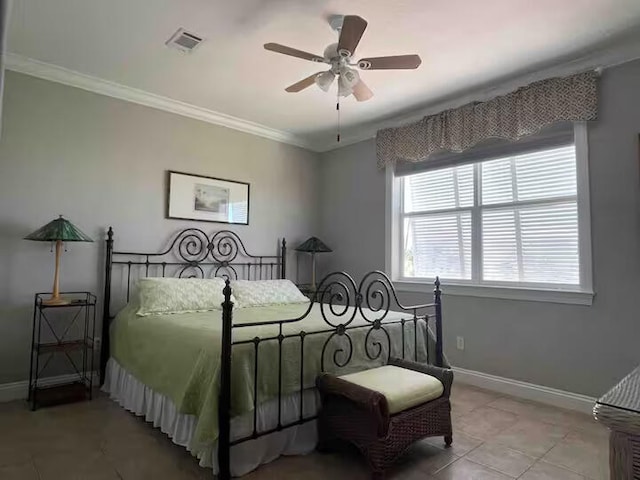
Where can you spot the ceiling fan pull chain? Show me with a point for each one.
(338, 109)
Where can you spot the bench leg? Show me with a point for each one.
(326, 441)
(448, 440)
(325, 446)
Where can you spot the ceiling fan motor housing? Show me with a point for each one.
(336, 21)
(337, 61)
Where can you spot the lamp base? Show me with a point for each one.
(56, 301)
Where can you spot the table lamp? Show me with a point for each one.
(59, 230)
(313, 245)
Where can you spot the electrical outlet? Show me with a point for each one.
(460, 343)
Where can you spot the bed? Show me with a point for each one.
(235, 386)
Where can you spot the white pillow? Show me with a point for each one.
(254, 293)
(179, 295)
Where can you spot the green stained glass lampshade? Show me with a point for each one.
(59, 229)
(313, 245)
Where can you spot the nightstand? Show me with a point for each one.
(62, 334)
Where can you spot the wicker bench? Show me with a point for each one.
(382, 428)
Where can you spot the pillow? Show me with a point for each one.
(179, 295)
(254, 293)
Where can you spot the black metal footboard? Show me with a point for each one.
(369, 312)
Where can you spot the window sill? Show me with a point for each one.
(576, 297)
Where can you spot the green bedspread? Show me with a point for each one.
(179, 356)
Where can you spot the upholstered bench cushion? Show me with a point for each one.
(403, 388)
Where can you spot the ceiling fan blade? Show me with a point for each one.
(302, 84)
(276, 47)
(361, 92)
(352, 29)
(400, 62)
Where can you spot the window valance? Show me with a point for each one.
(512, 116)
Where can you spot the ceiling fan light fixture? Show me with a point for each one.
(344, 90)
(324, 80)
(349, 78)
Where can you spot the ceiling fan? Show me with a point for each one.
(339, 57)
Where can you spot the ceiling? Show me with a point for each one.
(463, 44)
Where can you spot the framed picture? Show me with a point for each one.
(207, 199)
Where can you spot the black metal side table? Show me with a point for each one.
(306, 289)
(309, 291)
(67, 331)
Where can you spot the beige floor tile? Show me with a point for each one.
(590, 426)
(501, 458)
(464, 398)
(595, 439)
(546, 413)
(466, 470)
(531, 437)
(546, 471)
(14, 416)
(582, 453)
(69, 466)
(462, 443)
(19, 471)
(313, 467)
(484, 422)
(127, 444)
(12, 452)
(59, 440)
(413, 475)
(515, 405)
(426, 458)
(152, 466)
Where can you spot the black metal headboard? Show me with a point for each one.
(191, 253)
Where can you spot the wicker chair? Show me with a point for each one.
(361, 417)
(619, 410)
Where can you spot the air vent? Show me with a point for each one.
(184, 41)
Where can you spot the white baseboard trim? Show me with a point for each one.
(507, 386)
(524, 390)
(20, 390)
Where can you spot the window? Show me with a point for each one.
(508, 220)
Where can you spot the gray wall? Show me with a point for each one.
(574, 348)
(100, 162)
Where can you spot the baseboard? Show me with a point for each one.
(507, 386)
(527, 391)
(20, 390)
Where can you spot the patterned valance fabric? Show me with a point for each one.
(512, 116)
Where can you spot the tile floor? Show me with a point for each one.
(495, 437)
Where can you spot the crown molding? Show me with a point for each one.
(612, 56)
(55, 73)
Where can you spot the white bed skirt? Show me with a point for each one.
(158, 409)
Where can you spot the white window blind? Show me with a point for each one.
(506, 221)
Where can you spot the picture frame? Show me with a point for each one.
(207, 199)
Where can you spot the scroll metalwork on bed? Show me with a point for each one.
(372, 311)
(362, 325)
(195, 254)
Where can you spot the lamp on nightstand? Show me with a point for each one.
(58, 230)
(313, 245)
